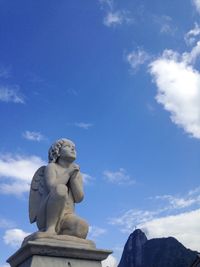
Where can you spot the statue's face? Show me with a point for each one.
(67, 151)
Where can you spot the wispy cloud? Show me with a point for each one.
(5, 265)
(178, 87)
(173, 218)
(176, 202)
(113, 16)
(34, 78)
(165, 24)
(191, 36)
(33, 136)
(137, 58)
(5, 72)
(108, 3)
(14, 237)
(183, 226)
(83, 125)
(11, 94)
(72, 91)
(87, 179)
(129, 220)
(109, 262)
(5, 223)
(179, 202)
(168, 204)
(14, 188)
(119, 177)
(16, 172)
(197, 5)
(95, 231)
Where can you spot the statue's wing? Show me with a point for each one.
(36, 192)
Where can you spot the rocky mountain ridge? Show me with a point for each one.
(158, 252)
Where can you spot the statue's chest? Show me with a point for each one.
(62, 176)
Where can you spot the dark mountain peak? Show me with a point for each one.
(139, 234)
(136, 240)
(157, 252)
(132, 254)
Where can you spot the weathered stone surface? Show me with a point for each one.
(46, 238)
(53, 253)
(38, 261)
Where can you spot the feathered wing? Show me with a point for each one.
(36, 193)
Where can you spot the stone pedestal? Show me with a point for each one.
(55, 253)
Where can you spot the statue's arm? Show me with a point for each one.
(76, 186)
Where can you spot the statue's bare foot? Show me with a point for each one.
(74, 226)
(51, 231)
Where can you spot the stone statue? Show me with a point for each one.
(55, 189)
(61, 239)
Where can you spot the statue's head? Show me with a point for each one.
(62, 148)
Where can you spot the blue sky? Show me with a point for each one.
(121, 79)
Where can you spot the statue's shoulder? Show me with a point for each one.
(51, 167)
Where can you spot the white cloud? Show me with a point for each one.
(83, 125)
(114, 17)
(8, 94)
(185, 227)
(109, 3)
(19, 167)
(4, 223)
(14, 188)
(33, 136)
(137, 58)
(118, 177)
(5, 265)
(194, 191)
(109, 262)
(197, 5)
(18, 171)
(179, 202)
(178, 85)
(14, 237)
(190, 58)
(87, 178)
(190, 37)
(95, 231)
(132, 218)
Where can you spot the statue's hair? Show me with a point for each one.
(54, 150)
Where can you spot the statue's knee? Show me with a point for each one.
(73, 225)
(61, 190)
(82, 228)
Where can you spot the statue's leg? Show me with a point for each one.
(73, 225)
(55, 207)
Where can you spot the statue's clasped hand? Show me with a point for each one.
(74, 170)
